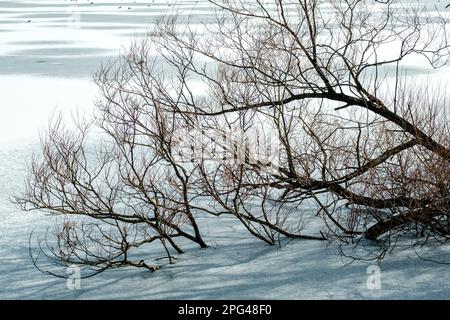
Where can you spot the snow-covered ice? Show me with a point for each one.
(48, 52)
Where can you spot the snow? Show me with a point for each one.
(46, 65)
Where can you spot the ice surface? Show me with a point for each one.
(48, 52)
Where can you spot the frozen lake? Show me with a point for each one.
(50, 49)
(48, 53)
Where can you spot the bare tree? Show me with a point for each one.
(362, 147)
(129, 190)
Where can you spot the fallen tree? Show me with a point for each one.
(277, 113)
